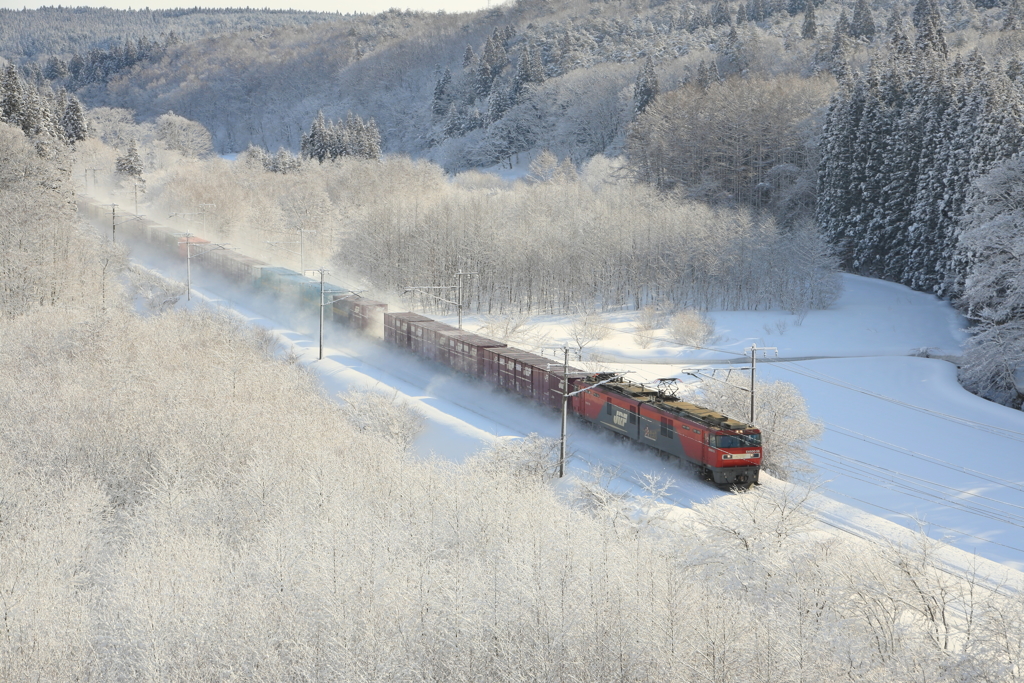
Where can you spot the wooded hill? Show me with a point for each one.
(877, 120)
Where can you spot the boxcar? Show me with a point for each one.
(360, 314)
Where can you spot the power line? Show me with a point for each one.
(853, 434)
(974, 424)
(932, 491)
(939, 526)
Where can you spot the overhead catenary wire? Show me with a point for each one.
(959, 532)
(839, 465)
(974, 424)
(853, 434)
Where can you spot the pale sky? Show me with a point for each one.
(367, 6)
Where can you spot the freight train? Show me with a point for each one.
(725, 451)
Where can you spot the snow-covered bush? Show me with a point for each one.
(691, 328)
(787, 430)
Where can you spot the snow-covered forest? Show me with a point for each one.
(180, 499)
(179, 529)
(872, 123)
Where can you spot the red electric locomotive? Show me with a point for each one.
(726, 451)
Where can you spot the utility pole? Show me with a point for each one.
(321, 311)
(323, 303)
(459, 275)
(114, 223)
(188, 267)
(753, 366)
(565, 411)
(136, 184)
(188, 261)
(565, 405)
(458, 292)
(94, 181)
(302, 263)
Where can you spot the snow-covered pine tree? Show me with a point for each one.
(1014, 15)
(484, 79)
(874, 197)
(837, 173)
(925, 12)
(863, 25)
(371, 145)
(315, 144)
(720, 14)
(442, 94)
(810, 27)
(11, 96)
(495, 55)
(521, 78)
(130, 164)
(646, 87)
(838, 62)
(921, 263)
(72, 120)
(990, 253)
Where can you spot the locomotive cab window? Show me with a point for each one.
(667, 429)
(736, 440)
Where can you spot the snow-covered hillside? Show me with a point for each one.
(903, 442)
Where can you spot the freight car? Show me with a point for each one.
(725, 451)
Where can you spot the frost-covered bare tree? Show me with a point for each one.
(225, 515)
(787, 430)
(542, 246)
(178, 133)
(45, 259)
(744, 140)
(691, 327)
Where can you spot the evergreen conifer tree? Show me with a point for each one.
(442, 96)
(862, 25)
(72, 121)
(645, 89)
(130, 164)
(810, 27)
(1012, 21)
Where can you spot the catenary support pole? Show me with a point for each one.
(321, 313)
(753, 364)
(565, 411)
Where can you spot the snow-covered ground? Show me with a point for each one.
(903, 441)
(904, 444)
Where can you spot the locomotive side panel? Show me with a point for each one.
(612, 411)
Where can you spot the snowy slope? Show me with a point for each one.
(893, 452)
(903, 440)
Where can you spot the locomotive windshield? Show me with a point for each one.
(737, 440)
